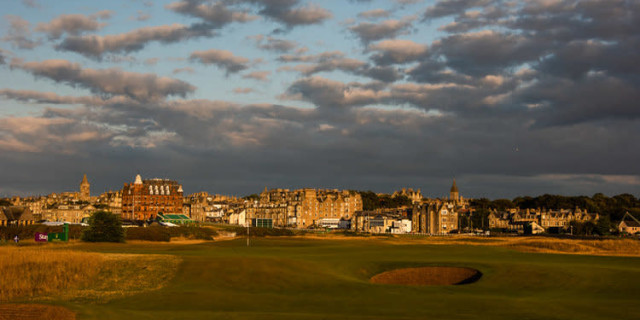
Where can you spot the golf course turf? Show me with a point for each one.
(294, 278)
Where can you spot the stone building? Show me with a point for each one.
(435, 218)
(144, 199)
(69, 212)
(110, 201)
(629, 224)
(15, 215)
(85, 189)
(304, 207)
(393, 220)
(515, 220)
(414, 196)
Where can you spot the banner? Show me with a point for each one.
(41, 237)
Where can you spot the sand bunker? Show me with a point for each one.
(34, 312)
(428, 276)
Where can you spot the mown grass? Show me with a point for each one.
(298, 278)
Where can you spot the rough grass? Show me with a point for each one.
(428, 276)
(35, 312)
(27, 272)
(43, 273)
(610, 247)
(623, 247)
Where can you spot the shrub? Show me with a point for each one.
(152, 233)
(104, 227)
(262, 232)
(193, 232)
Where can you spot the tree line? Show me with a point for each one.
(612, 207)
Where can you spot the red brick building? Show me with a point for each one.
(144, 199)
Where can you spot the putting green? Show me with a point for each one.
(330, 279)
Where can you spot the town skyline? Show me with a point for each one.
(510, 98)
(440, 190)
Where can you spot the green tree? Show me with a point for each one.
(502, 204)
(104, 227)
(604, 226)
(370, 200)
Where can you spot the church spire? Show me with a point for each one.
(85, 189)
(454, 187)
(454, 194)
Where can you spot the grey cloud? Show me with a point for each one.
(330, 94)
(397, 51)
(580, 56)
(183, 70)
(596, 97)
(375, 13)
(151, 61)
(31, 3)
(324, 56)
(39, 134)
(221, 58)
(217, 14)
(327, 65)
(451, 7)
(273, 44)
(407, 2)
(477, 98)
(297, 147)
(336, 60)
(353, 148)
(486, 52)
(243, 90)
(73, 24)
(290, 13)
(3, 56)
(258, 75)
(142, 16)
(108, 82)
(551, 119)
(383, 73)
(40, 97)
(19, 33)
(94, 46)
(368, 31)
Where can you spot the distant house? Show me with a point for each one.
(629, 224)
(15, 215)
(238, 217)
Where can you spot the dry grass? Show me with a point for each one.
(34, 273)
(427, 276)
(125, 274)
(619, 247)
(606, 247)
(34, 312)
(26, 272)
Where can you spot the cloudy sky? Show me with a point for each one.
(509, 97)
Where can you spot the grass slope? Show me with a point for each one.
(325, 279)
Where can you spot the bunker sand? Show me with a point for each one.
(428, 276)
